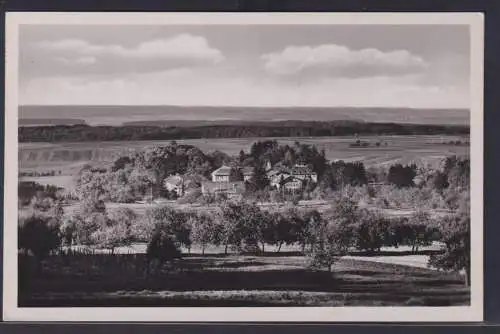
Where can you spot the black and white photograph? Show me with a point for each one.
(243, 167)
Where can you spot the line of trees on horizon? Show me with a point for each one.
(80, 132)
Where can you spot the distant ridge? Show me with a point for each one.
(49, 121)
(213, 115)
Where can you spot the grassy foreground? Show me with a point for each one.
(233, 280)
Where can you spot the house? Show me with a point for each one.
(292, 183)
(175, 183)
(291, 178)
(304, 172)
(276, 177)
(230, 189)
(221, 174)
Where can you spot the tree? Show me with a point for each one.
(120, 163)
(329, 245)
(172, 222)
(115, 230)
(419, 230)
(242, 156)
(455, 231)
(371, 231)
(239, 223)
(458, 171)
(439, 180)
(204, 230)
(314, 223)
(259, 180)
(39, 235)
(402, 176)
(163, 247)
(86, 225)
(281, 230)
(299, 227)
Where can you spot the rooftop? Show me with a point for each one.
(222, 171)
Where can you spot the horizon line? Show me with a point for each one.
(241, 106)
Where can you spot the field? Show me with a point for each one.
(69, 157)
(235, 280)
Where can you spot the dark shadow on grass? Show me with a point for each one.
(378, 283)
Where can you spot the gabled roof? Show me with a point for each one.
(295, 170)
(222, 171)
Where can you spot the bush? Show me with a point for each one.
(163, 247)
(402, 176)
(40, 236)
(455, 231)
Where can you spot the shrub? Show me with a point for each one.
(40, 236)
(163, 247)
(455, 231)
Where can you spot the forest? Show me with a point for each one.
(75, 133)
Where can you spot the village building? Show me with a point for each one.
(291, 178)
(175, 183)
(231, 189)
(221, 174)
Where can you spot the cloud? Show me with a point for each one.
(189, 87)
(338, 60)
(183, 46)
(77, 61)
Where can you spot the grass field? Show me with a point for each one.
(236, 280)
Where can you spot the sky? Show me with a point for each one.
(416, 66)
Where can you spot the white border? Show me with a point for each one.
(222, 314)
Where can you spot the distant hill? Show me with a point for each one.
(213, 115)
(50, 121)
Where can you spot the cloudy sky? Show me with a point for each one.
(315, 65)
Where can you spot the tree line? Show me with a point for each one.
(72, 133)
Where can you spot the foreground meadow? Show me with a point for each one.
(268, 279)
